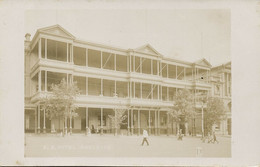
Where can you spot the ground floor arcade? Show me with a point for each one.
(155, 121)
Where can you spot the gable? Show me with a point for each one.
(147, 49)
(203, 62)
(57, 30)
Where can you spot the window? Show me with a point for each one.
(154, 67)
(94, 58)
(108, 60)
(146, 91)
(121, 89)
(172, 71)
(121, 63)
(108, 87)
(94, 86)
(81, 83)
(54, 78)
(79, 56)
(43, 47)
(146, 66)
(56, 50)
(164, 70)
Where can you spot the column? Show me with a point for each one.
(101, 119)
(86, 120)
(115, 95)
(167, 71)
(45, 56)
(158, 122)
(161, 92)
(158, 92)
(141, 65)
(192, 74)
(101, 94)
(39, 117)
(39, 81)
(134, 90)
(158, 68)
(72, 55)
(168, 130)
(40, 48)
(66, 125)
(176, 72)
(101, 60)
(141, 87)
(70, 123)
(133, 63)
(167, 93)
(35, 121)
(132, 122)
(44, 127)
(130, 63)
(86, 85)
(151, 92)
(155, 123)
(67, 52)
(130, 89)
(127, 65)
(45, 85)
(152, 66)
(86, 57)
(149, 123)
(128, 127)
(115, 62)
(138, 120)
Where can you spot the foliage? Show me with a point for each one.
(214, 112)
(183, 108)
(118, 119)
(61, 102)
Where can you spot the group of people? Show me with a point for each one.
(211, 137)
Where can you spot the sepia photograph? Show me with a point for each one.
(129, 83)
(156, 83)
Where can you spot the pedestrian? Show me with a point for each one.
(145, 137)
(88, 132)
(179, 134)
(214, 137)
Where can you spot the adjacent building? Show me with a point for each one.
(140, 80)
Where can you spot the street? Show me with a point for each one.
(80, 145)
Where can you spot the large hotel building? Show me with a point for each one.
(141, 80)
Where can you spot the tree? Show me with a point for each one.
(118, 119)
(61, 102)
(183, 108)
(214, 112)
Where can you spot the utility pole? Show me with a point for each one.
(202, 120)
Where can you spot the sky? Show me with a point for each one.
(181, 34)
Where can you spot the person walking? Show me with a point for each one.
(145, 137)
(179, 134)
(214, 137)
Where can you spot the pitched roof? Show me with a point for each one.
(56, 30)
(203, 62)
(147, 48)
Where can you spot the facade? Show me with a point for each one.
(141, 80)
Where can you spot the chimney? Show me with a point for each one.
(27, 37)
